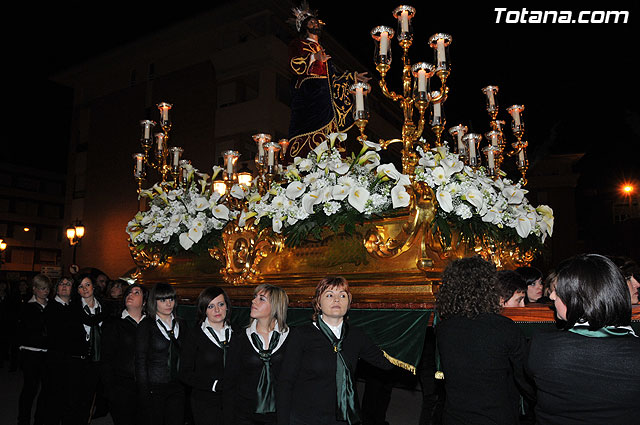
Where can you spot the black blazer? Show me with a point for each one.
(201, 363)
(241, 376)
(585, 380)
(32, 330)
(118, 349)
(152, 353)
(483, 364)
(307, 384)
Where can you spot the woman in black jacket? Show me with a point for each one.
(254, 360)
(118, 356)
(204, 355)
(159, 339)
(317, 383)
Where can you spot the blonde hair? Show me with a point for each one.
(279, 301)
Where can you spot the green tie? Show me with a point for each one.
(222, 344)
(174, 349)
(266, 388)
(347, 408)
(94, 337)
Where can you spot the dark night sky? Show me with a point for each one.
(578, 82)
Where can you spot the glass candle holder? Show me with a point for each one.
(517, 124)
(491, 152)
(440, 43)
(159, 143)
(458, 132)
(220, 187)
(176, 155)
(138, 168)
(491, 93)
(404, 14)
(164, 109)
(382, 36)
(184, 173)
(284, 144)
(360, 100)
(472, 140)
(261, 139)
(147, 130)
(437, 113)
(422, 73)
(230, 159)
(521, 148)
(493, 137)
(272, 153)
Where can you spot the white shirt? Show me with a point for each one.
(60, 300)
(337, 330)
(176, 329)
(96, 304)
(126, 314)
(252, 328)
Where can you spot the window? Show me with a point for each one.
(238, 90)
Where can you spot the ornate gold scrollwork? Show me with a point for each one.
(242, 250)
(145, 259)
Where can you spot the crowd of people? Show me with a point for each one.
(87, 345)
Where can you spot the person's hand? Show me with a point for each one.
(322, 56)
(362, 77)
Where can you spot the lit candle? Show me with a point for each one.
(492, 101)
(494, 139)
(442, 57)
(460, 142)
(147, 130)
(521, 157)
(490, 159)
(384, 43)
(472, 147)
(138, 158)
(359, 99)
(422, 80)
(261, 149)
(159, 140)
(165, 113)
(404, 21)
(176, 157)
(437, 113)
(516, 117)
(271, 159)
(230, 165)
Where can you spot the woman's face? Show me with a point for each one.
(165, 307)
(534, 291)
(561, 308)
(41, 291)
(334, 302)
(261, 306)
(217, 310)
(85, 289)
(516, 300)
(633, 285)
(116, 290)
(134, 299)
(64, 289)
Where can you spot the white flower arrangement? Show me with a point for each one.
(324, 186)
(180, 217)
(464, 194)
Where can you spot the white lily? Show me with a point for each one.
(358, 197)
(276, 224)
(185, 241)
(547, 217)
(373, 145)
(200, 203)
(340, 191)
(216, 171)
(451, 165)
(513, 194)
(295, 189)
(238, 191)
(523, 226)
(399, 196)
(439, 176)
(195, 230)
(444, 199)
(340, 136)
(388, 170)
(220, 211)
(309, 200)
(339, 167)
(320, 149)
(244, 216)
(474, 197)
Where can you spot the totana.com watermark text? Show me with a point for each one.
(525, 16)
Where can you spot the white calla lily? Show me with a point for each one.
(474, 197)
(185, 241)
(340, 192)
(238, 191)
(295, 189)
(400, 197)
(220, 211)
(444, 199)
(309, 200)
(358, 197)
(340, 136)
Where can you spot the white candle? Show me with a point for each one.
(359, 99)
(472, 147)
(490, 159)
(165, 114)
(138, 165)
(492, 101)
(176, 158)
(260, 149)
(147, 130)
(494, 139)
(271, 158)
(442, 57)
(422, 80)
(460, 142)
(516, 117)
(521, 157)
(384, 43)
(159, 139)
(404, 21)
(437, 113)
(230, 165)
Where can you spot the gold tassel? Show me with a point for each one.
(399, 363)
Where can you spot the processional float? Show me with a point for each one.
(389, 232)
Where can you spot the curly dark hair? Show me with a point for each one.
(469, 288)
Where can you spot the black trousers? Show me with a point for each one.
(34, 370)
(165, 405)
(206, 408)
(124, 403)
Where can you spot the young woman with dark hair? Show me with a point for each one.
(481, 352)
(317, 383)
(533, 277)
(254, 360)
(159, 340)
(118, 356)
(512, 288)
(204, 355)
(588, 373)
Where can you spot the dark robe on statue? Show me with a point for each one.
(320, 103)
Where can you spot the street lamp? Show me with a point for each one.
(627, 190)
(3, 246)
(75, 232)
